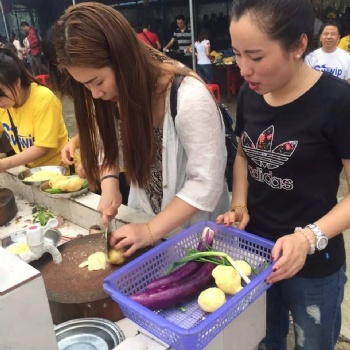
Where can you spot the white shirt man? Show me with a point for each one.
(329, 58)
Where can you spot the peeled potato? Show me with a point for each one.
(116, 257)
(95, 261)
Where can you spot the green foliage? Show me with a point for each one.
(42, 215)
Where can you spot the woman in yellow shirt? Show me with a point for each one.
(344, 43)
(30, 115)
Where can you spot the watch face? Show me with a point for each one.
(322, 243)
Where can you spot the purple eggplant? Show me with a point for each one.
(178, 292)
(188, 268)
(182, 272)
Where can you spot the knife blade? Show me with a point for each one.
(108, 233)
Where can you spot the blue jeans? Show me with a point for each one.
(205, 71)
(315, 305)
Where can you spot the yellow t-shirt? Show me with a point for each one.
(39, 122)
(344, 43)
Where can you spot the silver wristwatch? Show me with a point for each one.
(321, 239)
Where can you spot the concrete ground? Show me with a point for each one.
(344, 340)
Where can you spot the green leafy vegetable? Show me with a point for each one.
(42, 215)
(213, 256)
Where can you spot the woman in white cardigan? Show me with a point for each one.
(175, 169)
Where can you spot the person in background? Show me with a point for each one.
(317, 26)
(344, 43)
(149, 37)
(204, 66)
(345, 22)
(294, 130)
(14, 40)
(329, 58)
(175, 168)
(30, 115)
(182, 36)
(7, 44)
(34, 47)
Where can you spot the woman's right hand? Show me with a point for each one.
(239, 215)
(67, 152)
(110, 201)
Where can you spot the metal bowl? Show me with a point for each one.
(28, 172)
(78, 193)
(88, 333)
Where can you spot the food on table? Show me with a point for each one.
(95, 261)
(116, 257)
(18, 248)
(42, 175)
(227, 279)
(62, 184)
(211, 299)
(191, 275)
(228, 60)
(42, 215)
(188, 268)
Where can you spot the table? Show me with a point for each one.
(229, 70)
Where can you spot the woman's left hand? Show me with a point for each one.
(131, 237)
(293, 250)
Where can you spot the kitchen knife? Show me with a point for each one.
(108, 233)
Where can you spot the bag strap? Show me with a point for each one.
(14, 129)
(152, 44)
(173, 94)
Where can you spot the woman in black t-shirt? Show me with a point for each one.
(294, 133)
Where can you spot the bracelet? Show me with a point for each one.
(108, 176)
(150, 234)
(239, 206)
(311, 242)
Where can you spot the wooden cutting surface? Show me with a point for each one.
(67, 282)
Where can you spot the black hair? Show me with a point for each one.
(204, 34)
(12, 37)
(58, 79)
(24, 23)
(145, 24)
(330, 22)
(12, 69)
(178, 17)
(281, 20)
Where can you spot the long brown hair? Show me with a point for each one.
(95, 35)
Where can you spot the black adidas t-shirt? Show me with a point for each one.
(294, 157)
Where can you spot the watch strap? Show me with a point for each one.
(316, 231)
(321, 238)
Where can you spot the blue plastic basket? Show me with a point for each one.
(192, 329)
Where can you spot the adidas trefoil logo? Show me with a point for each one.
(261, 153)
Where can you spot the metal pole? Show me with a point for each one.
(73, 1)
(192, 35)
(4, 18)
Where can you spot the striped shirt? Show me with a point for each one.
(183, 38)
